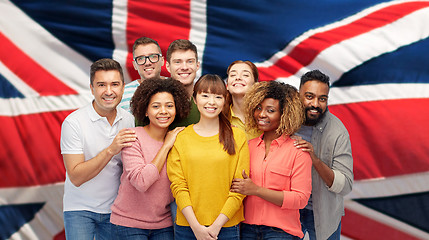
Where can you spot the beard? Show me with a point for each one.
(313, 121)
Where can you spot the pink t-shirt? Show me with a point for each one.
(286, 169)
(144, 194)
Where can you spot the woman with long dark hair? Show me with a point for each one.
(201, 165)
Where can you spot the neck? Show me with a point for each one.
(110, 115)
(207, 126)
(270, 136)
(238, 107)
(190, 89)
(156, 133)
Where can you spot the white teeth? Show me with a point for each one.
(314, 111)
(109, 99)
(148, 69)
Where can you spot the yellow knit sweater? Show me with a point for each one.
(201, 174)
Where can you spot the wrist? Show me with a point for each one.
(109, 151)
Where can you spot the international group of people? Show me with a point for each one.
(174, 158)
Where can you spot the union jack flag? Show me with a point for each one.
(376, 52)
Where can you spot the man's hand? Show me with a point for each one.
(306, 147)
(124, 138)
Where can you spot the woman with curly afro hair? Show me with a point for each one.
(279, 183)
(142, 207)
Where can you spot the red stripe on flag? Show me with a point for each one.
(30, 71)
(148, 19)
(356, 226)
(388, 137)
(306, 51)
(31, 149)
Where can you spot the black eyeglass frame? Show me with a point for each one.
(148, 57)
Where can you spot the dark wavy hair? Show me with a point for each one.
(149, 87)
(212, 83)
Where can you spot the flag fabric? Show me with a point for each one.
(376, 53)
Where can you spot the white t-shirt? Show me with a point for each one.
(85, 132)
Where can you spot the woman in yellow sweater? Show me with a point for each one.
(204, 160)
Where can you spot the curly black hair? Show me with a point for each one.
(149, 87)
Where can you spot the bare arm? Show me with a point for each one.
(217, 225)
(325, 172)
(81, 171)
(201, 232)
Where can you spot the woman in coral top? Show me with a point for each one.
(279, 183)
(141, 209)
(204, 160)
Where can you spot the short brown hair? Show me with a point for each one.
(181, 44)
(145, 41)
(105, 64)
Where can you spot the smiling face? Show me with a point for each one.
(148, 69)
(209, 105)
(267, 115)
(240, 79)
(161, 110)
(314, 96)
(183, 66)
(107, 88)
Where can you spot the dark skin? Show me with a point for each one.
(324, 171)
(268, 115)
(315, 94)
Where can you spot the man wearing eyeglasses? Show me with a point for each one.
(147, 60)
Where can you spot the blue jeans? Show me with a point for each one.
(173, 207)
(307, 224)
(87, 225)
(129, 233)
(251, 232)
(226, 233)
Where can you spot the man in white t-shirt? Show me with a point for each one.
(147, 60)
(91, 140)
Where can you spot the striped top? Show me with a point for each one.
(129, 90)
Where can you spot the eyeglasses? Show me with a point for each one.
(153, 58)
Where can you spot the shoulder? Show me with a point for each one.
(189, 130)
(126, 116)
(239, 134)
(77, 115)
(254, 141)
(131, 85)
(333, 122)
